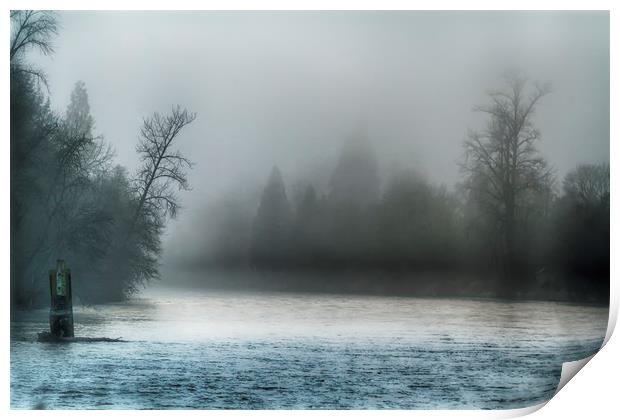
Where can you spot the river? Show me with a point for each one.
(196, 348)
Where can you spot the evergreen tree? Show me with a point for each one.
(271, 229)
(354, 191)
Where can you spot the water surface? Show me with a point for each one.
(204, 349)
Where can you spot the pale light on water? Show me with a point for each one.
(192, 348)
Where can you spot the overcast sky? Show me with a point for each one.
(288, 88)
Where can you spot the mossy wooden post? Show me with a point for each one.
(61, 309)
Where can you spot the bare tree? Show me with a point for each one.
(588, 184)
(503, 162)
(31, 29)
(162, 168)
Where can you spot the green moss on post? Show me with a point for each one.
(61, 308)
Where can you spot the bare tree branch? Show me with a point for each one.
(31, 29)
(502, 162)
(162, 169)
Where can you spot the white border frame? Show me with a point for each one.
(595, 385)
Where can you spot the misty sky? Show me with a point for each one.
(289, 88)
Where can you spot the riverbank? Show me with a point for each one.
(371, 282)
(406, 283)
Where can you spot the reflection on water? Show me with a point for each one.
(205, 349)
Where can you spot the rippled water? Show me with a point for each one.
(205, 349)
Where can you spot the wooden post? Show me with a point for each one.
(61, 309)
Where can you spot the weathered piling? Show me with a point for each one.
(61, 309)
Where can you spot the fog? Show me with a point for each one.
(288, 89)
(306, 209)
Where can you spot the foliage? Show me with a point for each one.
(68, 199)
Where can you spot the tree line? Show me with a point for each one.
(510, 221)
(69, 200)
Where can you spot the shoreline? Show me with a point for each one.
(424, 284)
(440, 284)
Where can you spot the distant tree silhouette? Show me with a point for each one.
(230, 233)
(503, 161)
(353, 195)
(588, 185)
(272, 224)
(417, 223)
(581, 231)
(355, 179)
(308, 206)
(309, 234)
(80, 154)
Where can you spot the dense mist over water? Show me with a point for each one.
(474, 145)
(289, 89)
(300, 210)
